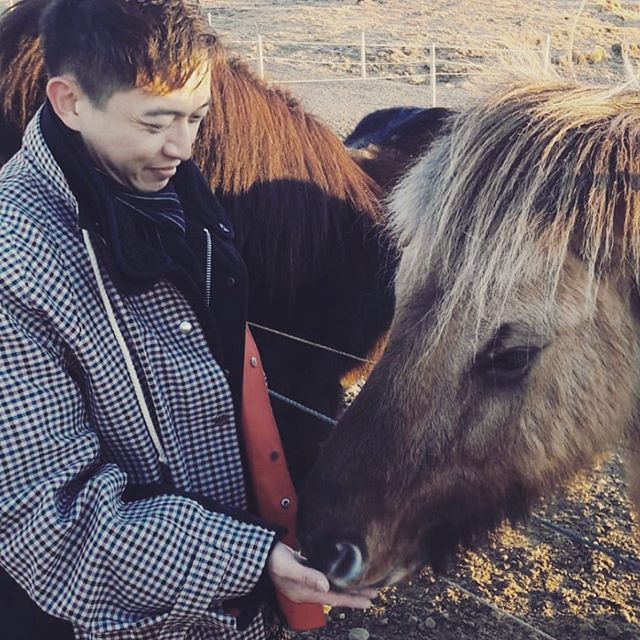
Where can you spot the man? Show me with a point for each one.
(128, 508)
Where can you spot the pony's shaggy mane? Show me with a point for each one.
(525, 176)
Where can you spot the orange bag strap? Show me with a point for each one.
(273, 489)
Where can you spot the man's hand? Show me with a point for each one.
(303, 584)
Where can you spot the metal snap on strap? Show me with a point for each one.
(285, 503)
(253, 362)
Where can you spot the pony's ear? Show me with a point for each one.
(64, 95)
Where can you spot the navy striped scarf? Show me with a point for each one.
(160, 208)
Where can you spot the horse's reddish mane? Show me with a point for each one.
(22, 72)
(294, 163)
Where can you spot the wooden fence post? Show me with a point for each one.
(547, 52)
(260, 58)
(363, 55)
(433, 74)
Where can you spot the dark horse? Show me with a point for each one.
(387, 141)
(307, 221)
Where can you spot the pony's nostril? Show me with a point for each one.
(346, 564)
(341, 556)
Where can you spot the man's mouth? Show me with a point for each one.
(164, 172)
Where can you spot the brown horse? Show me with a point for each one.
(513, 359)
(307, 221)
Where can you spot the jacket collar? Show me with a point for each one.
(39, 155)
(135, 263)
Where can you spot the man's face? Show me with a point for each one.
(138, 137)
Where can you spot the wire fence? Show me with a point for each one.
(360, 61)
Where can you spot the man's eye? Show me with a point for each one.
(154, 128)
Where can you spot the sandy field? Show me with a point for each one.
(470, 36)
(554, 586)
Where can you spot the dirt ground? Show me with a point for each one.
(560, 588)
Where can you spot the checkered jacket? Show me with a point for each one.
(72, 437)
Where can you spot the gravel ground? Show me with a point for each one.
(560, 588)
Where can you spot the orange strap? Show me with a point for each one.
(273, 490)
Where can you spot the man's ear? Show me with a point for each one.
(64, 94)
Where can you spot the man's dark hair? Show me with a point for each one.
(114, 45)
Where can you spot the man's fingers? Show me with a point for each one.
(286, 563)
(304, 584)
(316, 581)
(367, 592)
(299, 593)
(308, 577)
(346, 600)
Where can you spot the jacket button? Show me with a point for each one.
(253, 362)
(223, 227)
(222, 420)
(186, 327)
(231, 281)
(285, 503)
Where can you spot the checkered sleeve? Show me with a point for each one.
(121, 569)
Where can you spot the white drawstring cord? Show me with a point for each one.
(142, 403)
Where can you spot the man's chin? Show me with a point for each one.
(149, 186)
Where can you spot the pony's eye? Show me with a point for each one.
(507, 365)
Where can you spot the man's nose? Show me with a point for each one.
(179, 144)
